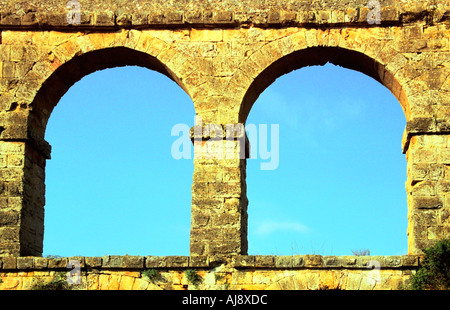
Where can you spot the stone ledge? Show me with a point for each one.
(324, 262)
(128, 262)
(159, 13)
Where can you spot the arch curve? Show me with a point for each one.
(321, 55)
(67, 74)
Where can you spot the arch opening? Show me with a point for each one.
(66, 79)
(341, 171)
(112, 176)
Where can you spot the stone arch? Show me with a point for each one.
(111, 140)
(320, 55)
(51, 76)
(82, 64)
(371, 52)
(376, 60)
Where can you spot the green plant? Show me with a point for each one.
(193, 277)
(58, 282)
(434, 271)
(218, 277)
(152, 275)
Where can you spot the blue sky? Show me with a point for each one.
(114, 188)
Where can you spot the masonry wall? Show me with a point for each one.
(307, 272)
(223, 54)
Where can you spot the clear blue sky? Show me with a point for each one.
(114, 188)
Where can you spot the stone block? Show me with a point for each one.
(424, 155)
(104, 18)
(9, 18)
(8, 69)
(331, 262)
(427, 203)
(57, 263)
(274, 17)
(154, 262)
(426, 171)
(351, 15)
(242, 261)
(133, 262)
(40, 263)
(225, 189)
(9, 218)
(9, 234)
(194, 17)
(8, 262)
(284, 261)
(124, 20)
(15, 160)
(206, 35)
(199, 261)
(264, 261)
(139, 20)
(349, 261)
(424, 189)
(54, 19)
(25, 263)
(177, 261)
(298, 261)
(313, 261)
(289, 18)
(197, 246)
(223, 17)
(443, 187)
(174, 18)
(93, 262)
(112, 261)
(389, 14)
(443, 156)
(307, 17)
(74, 261)
(323, 17)
(393, 261)
(224, 219)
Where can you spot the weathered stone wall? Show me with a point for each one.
(308, 272)
(175, 13)
(223, 54)
(428, 189)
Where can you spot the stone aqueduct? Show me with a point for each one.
(223, 54)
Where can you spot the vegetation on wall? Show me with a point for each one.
(434, 270)
(193, 277)
(152, 275)
(59, 282)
